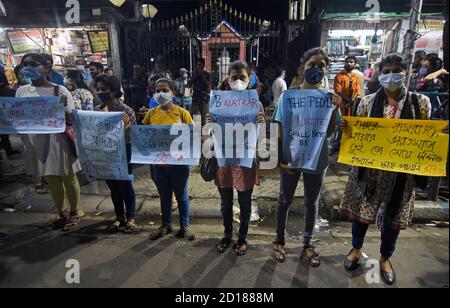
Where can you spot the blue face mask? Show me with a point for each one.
(392, 81)
(32, 73)
(104, 96)
(314, 75)
(24, 81)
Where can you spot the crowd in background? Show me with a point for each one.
(160, 97)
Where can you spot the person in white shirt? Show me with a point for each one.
(362, 80)
(279, 86)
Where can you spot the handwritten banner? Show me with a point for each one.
(101, 145)
(228, 108)
(99, 41)
(306, 115)
(408, 146)
(165, 145)
(32, 115)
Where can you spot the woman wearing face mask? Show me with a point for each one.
(82, 97)
(236, 177)
(122, 191)
(382, 197)
(315, 63)
(170, 179)
(51, 154)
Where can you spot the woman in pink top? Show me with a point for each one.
(236, 177)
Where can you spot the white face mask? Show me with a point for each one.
(162, 98)
(80, 67)
(238, 85)
(392, 81)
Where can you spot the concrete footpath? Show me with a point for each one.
(205, 199)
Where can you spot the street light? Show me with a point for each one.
(148, 11)
(117, 3)
(186, 33)
(265, 26)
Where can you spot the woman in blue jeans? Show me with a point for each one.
(314, 63)
(170, 179)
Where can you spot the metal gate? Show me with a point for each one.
(218, 33)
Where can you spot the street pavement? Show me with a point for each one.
(33, 257)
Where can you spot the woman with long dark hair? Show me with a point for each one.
(52, 156)
(381, 197)
(241, 179)
(315, 63)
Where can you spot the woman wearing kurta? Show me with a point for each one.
(381, 197)
(51, 154)
(170, 179)
(122, 191)
(314, 64)
(236, 177)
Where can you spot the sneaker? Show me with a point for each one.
(130, 227)
(186, 233)
(161, 232)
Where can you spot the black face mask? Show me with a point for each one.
(104, 97)
(314, 75)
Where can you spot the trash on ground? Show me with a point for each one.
(365, 256)
(9, 210)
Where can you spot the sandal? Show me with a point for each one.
(59, 223)
(279, 253)
(224, 245)
(118, 224)
(312, 255)
(40, 189)
(72, 223)
(240, 248)
(130, 227)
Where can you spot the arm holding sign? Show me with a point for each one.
(337, 104)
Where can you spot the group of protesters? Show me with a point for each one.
(168, 102)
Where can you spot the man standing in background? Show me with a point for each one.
(347, 86)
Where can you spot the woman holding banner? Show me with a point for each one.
(236, 177)
(382, 197)
(315, 63)
(122, 191)
(170, 179)
(53, 155)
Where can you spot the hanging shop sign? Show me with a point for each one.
(23, 41)
(99, 40)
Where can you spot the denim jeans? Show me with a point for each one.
(173, 180)
(312, 186)
(245, 203)
(389, 238)
(122, 192)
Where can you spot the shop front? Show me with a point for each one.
(66, 45)
(94, 37)
(345, 35)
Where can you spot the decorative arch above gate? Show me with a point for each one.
(215, 31)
